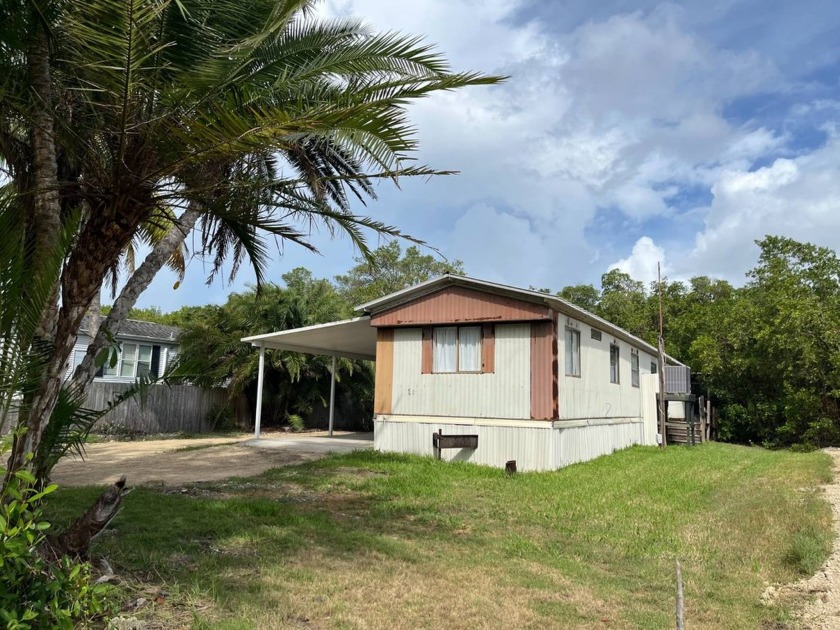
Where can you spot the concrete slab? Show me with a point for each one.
(321, 445)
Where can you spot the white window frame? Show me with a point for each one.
(615, 370)
(117, 371)
(635, 370)
(654, 367)
(572, 351)
(458, 344)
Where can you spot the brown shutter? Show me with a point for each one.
(384, 371)
(427, 361)
(488, 348)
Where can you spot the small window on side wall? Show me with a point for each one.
(614, 373)
(634, 369)
(653, 367)
(572, 352)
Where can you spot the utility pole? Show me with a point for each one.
(662, 403)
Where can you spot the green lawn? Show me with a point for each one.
(380, 541)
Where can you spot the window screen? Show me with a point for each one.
(634, 369)
(144, 361)
(469, 349)
(572, 352)
(446, 349)
(613, 364)
(129, 360)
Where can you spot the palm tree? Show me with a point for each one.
(250, 120)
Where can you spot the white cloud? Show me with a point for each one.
(623, 114)
(642, 262)
(799, 198)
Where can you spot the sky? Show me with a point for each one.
(630, 132)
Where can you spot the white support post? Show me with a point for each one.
(332, 395)
(260, 376)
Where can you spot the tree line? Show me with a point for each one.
(767, 352)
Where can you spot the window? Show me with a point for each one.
(457, 349)
(653, 367)
(572, 352)
(595, 334)
(144, 361)
(129, 359)
(613, 363)
(634, 369)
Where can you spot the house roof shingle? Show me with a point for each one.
(139, 329)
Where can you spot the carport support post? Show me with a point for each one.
(332, 395)
(260, 375)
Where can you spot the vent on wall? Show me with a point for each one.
(595, 334)
(677, 379)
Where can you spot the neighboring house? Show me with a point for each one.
(148, 348)
(536, 378)
(144, 348)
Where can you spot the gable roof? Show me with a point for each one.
(558, 304)
(139, 329)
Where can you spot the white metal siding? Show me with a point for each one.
(496, 445)
(650, 413)
(580, 444)
(592, 395)
(503, 394)
(534, 446)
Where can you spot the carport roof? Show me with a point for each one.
(353, 338)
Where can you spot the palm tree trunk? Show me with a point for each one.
(134, 287)
(46, 225)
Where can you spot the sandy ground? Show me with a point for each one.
(823, 588)
(209, 459)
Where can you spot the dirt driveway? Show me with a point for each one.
(176, 462)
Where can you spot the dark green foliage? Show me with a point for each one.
(767, 353)
(389, 270)
(33, 592)
(212, 355)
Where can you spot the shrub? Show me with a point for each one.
(296, 422)
(35, 593)
(220, 418)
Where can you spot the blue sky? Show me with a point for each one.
(630, 132)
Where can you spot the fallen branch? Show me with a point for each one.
(75, 541)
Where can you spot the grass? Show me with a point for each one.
(368, 540)
(201, 447)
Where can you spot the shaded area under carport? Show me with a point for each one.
(351, 338)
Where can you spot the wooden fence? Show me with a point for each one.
(164, 409)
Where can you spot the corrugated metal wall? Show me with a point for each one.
(502, 394)
(543, 371)
(650, 414)
(533, 447)
(496, 445)
(592, 395)
(457, 305)
(580, 444)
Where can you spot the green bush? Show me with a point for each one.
(296, 422)
(35, 593)
(220, 418)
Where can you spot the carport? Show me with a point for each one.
(350, 338)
